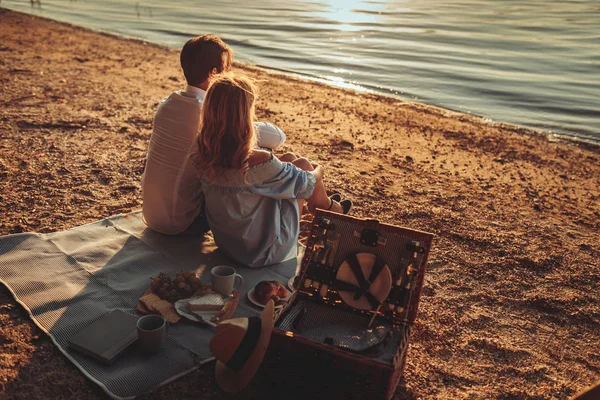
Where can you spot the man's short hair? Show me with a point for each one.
(202, 54)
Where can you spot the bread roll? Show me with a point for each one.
(269, 290)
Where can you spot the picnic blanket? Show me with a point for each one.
(67, 280)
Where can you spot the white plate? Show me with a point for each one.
(291, 283)
(380, 287)
(257, 303)
(199, 316)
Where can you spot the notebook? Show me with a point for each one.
(108, 337)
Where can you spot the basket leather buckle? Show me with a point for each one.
(369, 237)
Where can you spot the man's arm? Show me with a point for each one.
(269, 135)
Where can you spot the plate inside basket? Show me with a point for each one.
(379, 289)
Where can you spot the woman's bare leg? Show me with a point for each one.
(288, 157)
(291, 157)
(319, 198)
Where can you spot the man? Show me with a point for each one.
(171, 189)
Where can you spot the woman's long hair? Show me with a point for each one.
(226, 127)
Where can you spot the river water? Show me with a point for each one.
(534, 63)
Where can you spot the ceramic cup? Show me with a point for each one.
(223, 279)
(152, 332)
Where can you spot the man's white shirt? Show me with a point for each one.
(171, 188)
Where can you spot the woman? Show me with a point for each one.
(253, 199)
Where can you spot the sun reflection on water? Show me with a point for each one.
(351, 15)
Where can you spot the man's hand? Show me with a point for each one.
(318, 172)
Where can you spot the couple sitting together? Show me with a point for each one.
(210, 166)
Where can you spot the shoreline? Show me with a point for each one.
(510, 305)
(369, 89)
(524, 130)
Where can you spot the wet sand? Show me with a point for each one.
(511, 301)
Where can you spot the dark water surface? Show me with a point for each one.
(528, 62)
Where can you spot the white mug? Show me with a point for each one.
(223, 279)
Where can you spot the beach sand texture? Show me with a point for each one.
(511, 300)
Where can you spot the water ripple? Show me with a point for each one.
(531, 63)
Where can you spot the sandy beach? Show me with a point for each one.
(511, 300)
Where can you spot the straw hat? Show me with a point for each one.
(239, 346)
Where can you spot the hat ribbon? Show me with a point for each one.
(247, 345)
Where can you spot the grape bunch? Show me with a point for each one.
(185, 285)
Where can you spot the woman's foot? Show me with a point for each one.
(346, 206)
(336, 197)
(343, 207)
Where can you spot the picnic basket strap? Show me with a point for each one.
(348, 287)
(357, 271)
(377, 267)
(372, 299)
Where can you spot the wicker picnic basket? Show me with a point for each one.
(344, 333)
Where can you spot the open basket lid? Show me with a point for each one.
(364, 265)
